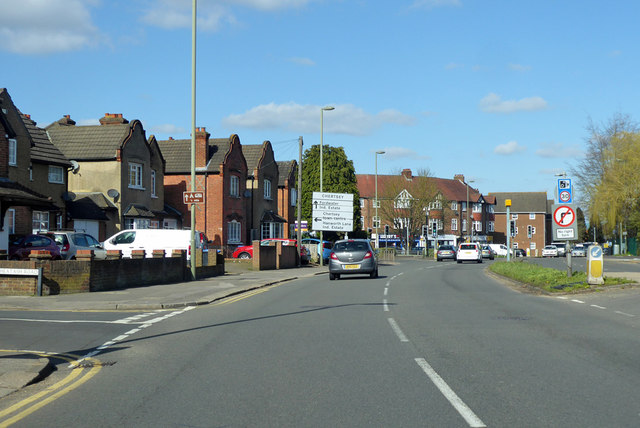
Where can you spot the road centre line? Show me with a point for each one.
(625, 314)
(396, 329)
(577, 301)
(386, 291)
(599, 307)
(385, 305)
(464, 410)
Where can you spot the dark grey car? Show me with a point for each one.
(352, 256)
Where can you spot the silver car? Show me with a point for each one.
(71, 242)
(352, 256)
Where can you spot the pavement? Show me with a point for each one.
(20, 370)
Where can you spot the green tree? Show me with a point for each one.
(339, 176)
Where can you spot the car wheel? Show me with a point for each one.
(459, 261)
(374, 274)
(244, 256)
(480, 261)
(438, 260)
(332, 276)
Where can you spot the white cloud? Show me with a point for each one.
(168, 129)
(432, 4)
(173, 14)
(41, 27)
(519, 67)
(559, 150)
(302, 61)
(510, 148)
(394, 153)
(493, 103)
(345, 119)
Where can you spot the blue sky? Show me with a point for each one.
(500, 91)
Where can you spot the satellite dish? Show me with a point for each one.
(68, 196)
(74, 167)
(247, 193)
(113, 193)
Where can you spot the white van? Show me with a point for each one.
(500, 249)
(154, 239)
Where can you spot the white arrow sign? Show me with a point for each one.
(332, 211)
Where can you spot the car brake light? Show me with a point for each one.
(368, 255)
(65, 248)
(333, 256)
(189, 250)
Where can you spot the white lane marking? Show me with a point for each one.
(386, 291)
(577, 301)
(396, 329)
(599, 307)
(448, 393)
(388, 283)
(127, 334)
(385, 306)
(625, 314)
(562, 298)
(129, 320)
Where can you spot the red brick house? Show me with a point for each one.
(262, 182)
(288, 195)
(528, 211)
(446, 209)
(221, 172)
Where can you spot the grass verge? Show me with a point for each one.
(549, 279)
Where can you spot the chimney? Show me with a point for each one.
(202, 144)
(170, 138)
(406, 173)
(66, 120)
(113, 119)
(28, 116)
(459, 177)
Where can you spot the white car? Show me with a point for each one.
(469, 251)
(550, 251)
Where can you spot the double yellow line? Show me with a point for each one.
(79, 375)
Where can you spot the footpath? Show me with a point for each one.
(16, 372)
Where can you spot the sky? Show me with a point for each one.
(499, 91)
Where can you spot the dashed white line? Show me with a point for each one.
(625, 314)
(450, 395)
(396, 329)
(599, 307)
(577, 301)
(386, 291)
(385, 305)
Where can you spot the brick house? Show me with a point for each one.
(528, 210)
(221, 172)
(288, 195)
(262, 181)
(446, 208)
(117, 172)
(32, 175)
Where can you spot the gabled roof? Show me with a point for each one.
(177, 154)
(90, 206)
(95, 142)
(42, 150)
(286, 168)
(252, 154)
(521, 202)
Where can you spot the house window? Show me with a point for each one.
(271, 230)
(361, 202)
(13, 151)
(532, 216)
(490, 226)
(454, 206)
(155, 224)
(376, 222)
(233, 232)
(464, 206)
(490, 209)
(170, 223)
(137, 223)
(477, 208)
(435, 205)
(267, 193)
(477, 226)
(135, 175)
(59, 222)
(454, 224)
(362, 223)
(234, 186)
(464, 225)
(376, 203)
(403, 200)
(10, 221)
(55, 174)
(40, 221)
(514, 216)
(153, 185)
(294, 197)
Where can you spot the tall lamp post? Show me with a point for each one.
(377, 203)
(322, 110)
(468, 209)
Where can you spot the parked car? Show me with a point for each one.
(446, 252)
(488, 252)
(500, 249)
(469, 251)
(352, 256)
(20, 246)
(520, 252)
(562, 248)
(154, 239)
(579, 250)
(309, 242)
(71, 242)
(246, 251)
(550, 251)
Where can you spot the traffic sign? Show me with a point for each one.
(565, 192)
(332, 211)
(193, 197)
(564, 216)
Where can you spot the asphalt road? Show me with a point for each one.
(426, 344)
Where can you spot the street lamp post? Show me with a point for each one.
(322, 110)
(379, 152)
(468, 209)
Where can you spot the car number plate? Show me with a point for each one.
(351, 266)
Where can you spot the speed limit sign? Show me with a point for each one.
(565, 196)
